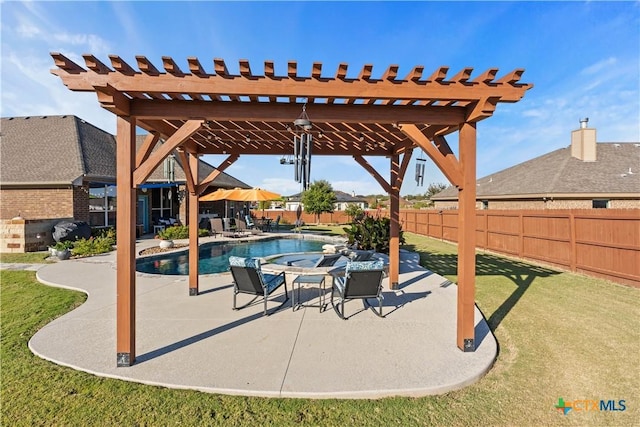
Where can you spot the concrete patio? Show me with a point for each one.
(200, 343)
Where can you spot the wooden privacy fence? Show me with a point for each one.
(603, 243)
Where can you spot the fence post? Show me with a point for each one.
(574, 246)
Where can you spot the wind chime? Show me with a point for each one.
(420, 166)
(302, 143)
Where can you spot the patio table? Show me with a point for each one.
(314, 279)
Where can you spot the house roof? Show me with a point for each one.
(64, 150)
(341, 197)
(55, 150)
(559, 174)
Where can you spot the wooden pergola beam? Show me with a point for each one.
(174, 141)
(215, 173)
(374, 173)
(445, 161)
(280, 112)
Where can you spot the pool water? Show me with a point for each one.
(214, 257)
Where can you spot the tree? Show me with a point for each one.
(319, 198)
(354, 211)
(433, 189)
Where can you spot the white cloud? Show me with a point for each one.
(599, 66)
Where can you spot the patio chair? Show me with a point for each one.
(357, 255)
(216, 227)
(241, 227)
(248, 278)
(275, 225)
(362, 280)
(327, 260)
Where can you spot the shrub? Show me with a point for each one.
(179, 232)
(371, 233)
(61, 246)
(92, 246)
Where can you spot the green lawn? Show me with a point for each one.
(560, 335)
(25, 258)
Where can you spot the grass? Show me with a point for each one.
(25, 258)
(560, 335)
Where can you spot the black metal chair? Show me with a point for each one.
(248, 278)
(327, 260)
(362, 280)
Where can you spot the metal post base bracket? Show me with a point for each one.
(124, 359)
(193, 292)
(469, 345)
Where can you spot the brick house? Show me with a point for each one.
(584, 175)
(51, 165)
(342, 201)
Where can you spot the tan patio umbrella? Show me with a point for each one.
(219, 194)
(241, 195)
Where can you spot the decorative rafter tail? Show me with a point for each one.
(415, 74)
(171, 67)
(439, 75)
(147, 66)
(365, 74)
(66, 64)
(95, 65)
(112, 100)
(245, 68)
(486, 77)
(316, 70)
(220, 67)
(511, 78)
(341, 73)
(463, 75)
(269, 69)
(391, 73)
(482, 109)
(195, 67)
(292, 69)
(121, 66)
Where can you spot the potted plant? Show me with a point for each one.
(166, 240)
(61, 250)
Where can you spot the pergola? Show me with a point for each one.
(199, 112)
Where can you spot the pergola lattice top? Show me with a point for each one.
(249, 113)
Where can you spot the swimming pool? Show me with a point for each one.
(214, 257)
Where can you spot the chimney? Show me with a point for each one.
(583, 142)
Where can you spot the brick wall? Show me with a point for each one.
(45, 203)
(42, 203)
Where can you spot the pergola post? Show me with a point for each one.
(126, 239)
(394, 213)
(193, 226)
(467, 239)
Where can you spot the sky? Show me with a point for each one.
(583, 59)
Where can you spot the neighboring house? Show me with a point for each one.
(49, 166)
(342, 201)
(584, 175)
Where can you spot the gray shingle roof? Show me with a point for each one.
(54, 150)
(61, 150)
(558, 173)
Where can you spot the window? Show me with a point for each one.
(600, 204)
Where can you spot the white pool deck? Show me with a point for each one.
(200, 343)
